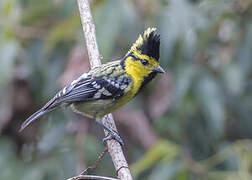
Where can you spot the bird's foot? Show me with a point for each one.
(112, 134)
(115, 136)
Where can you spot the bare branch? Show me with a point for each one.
(86, 177)
(114, 147)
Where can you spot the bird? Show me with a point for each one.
(109, 86)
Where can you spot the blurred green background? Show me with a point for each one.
(194, 122)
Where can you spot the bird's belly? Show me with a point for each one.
(96, 108)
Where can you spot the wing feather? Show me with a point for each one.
(85, 88)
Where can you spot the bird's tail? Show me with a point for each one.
(33, 117)
(51, 105)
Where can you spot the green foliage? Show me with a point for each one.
(163, 150)
(206, 48)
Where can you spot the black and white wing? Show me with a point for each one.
(85, 88)
(91, 88)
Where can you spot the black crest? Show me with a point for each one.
(150, 45)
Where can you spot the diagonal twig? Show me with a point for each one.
(94, 166)
(114, 147)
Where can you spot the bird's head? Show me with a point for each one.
(142, 59)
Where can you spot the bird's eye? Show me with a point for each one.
(144, 62)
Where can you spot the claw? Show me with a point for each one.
(114, 136)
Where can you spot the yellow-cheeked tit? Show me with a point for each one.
(109, 86)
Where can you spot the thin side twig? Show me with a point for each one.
(114, 147)
(98, 160)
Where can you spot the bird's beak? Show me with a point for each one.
(158, 69)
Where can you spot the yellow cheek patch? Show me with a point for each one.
(135, 68)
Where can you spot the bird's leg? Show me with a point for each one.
(112, 134)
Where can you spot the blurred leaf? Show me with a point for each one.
(234, 79)
(8, 52)
(36, 12)
(51, 138)
(65, 30)
(211, 100)
(167, 170)
(181, 24)
(116, 12)
(185, 75)
(244, 54)
(163, 149)
(8, 150)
